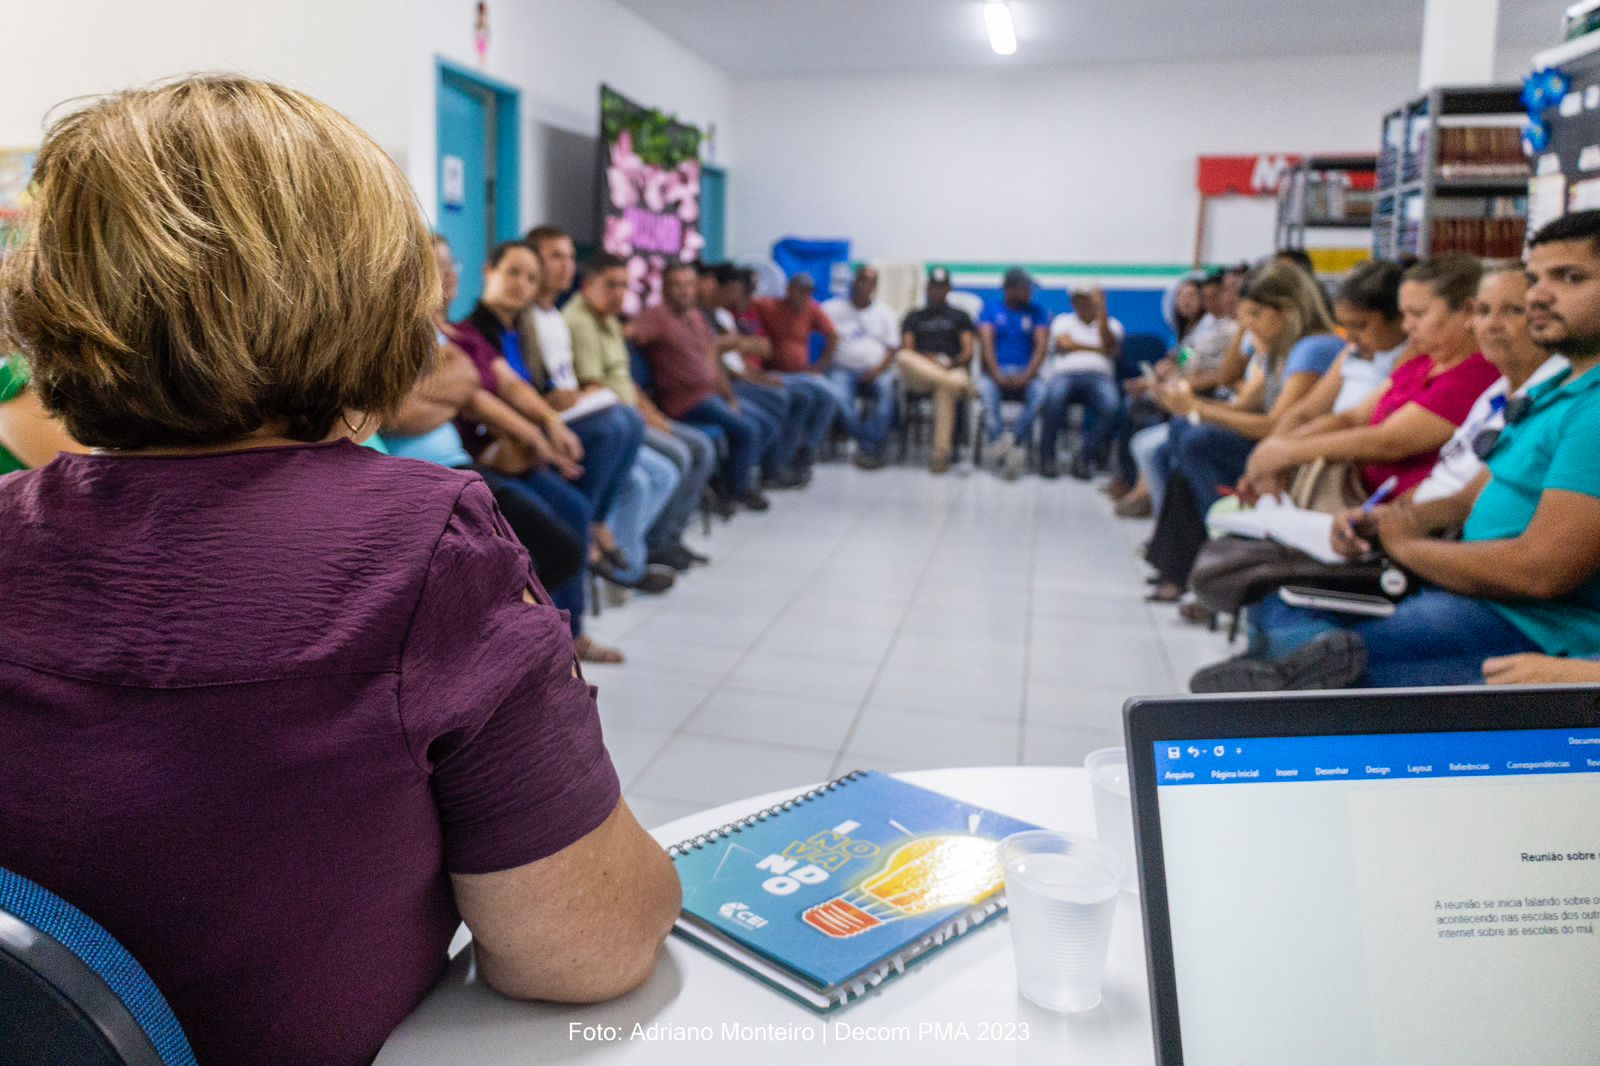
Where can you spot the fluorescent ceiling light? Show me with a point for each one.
(1002, 34)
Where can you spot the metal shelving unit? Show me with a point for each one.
(1325, 192)
(1425, 205)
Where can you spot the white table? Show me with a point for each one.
(972, 983)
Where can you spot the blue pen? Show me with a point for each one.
(1384, 492)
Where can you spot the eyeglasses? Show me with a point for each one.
(1516, 410)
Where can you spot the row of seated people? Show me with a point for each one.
(1459, 399)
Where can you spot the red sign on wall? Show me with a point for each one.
(1243, 175)
(1260, 175)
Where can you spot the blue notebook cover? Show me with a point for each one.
(842, 886)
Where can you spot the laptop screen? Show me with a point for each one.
(1404, 898)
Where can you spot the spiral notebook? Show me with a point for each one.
(827, 895)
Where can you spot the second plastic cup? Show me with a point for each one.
(1113, 808)
(1062, 894)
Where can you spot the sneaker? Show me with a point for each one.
(869, 460)
(1015, 462)
(1133, 507)
(783, 478)
(997, 450)
(754, 501)
(656, 578)
(1082, 469)
(1335, 659)
(677, 557)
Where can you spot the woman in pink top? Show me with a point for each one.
(278, 711)
(1399, 429)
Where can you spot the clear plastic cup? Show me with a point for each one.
(1113, 808)
(1062, 894)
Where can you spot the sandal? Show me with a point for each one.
(592, 651)
(1165, 592)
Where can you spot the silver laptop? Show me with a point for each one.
(1406, 877)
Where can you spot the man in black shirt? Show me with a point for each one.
(935, 348)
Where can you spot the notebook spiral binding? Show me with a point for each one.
(713, 835)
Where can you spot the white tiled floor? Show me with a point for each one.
(893, 621)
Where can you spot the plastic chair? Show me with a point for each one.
(1139, 348)
(70, 993)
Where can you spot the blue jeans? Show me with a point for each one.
(1153, 458)
(1206, 457)
(871, 430)
(1031, 395)
(1433, 638)
(821, 404)
(649, 485)
(782, 407)
(743, 433)
(572, 507)
(1098, 395)
(611, 440)
(695, 456)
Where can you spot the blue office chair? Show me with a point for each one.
(70, 993)
(1139, 348)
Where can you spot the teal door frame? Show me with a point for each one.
(502, 163)
(716, 233)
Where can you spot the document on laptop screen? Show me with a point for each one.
(1395, 898)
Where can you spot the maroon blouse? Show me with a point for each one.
(257, 706)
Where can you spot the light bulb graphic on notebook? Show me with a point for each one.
(923, 876)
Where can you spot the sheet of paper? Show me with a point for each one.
(589, 403)
(1284, 523)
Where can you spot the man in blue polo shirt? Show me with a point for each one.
(1014, 337)
(1525, 575)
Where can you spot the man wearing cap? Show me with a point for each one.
(935, 351)
(1013, 352)
(1083, 344)
(864, 363)
(788, 324)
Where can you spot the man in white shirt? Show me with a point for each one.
(864, 362)
(1082, 371)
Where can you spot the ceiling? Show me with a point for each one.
(755, 38)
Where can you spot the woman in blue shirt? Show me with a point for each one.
(1210, 440)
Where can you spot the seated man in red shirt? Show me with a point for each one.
(788, 324)
(674, 339)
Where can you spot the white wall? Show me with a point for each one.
(374, 60)
(557, 53)
(1089, 165)
(348, 53)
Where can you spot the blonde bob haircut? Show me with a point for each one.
(216, 256)
(1291, 292)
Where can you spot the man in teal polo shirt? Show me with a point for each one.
(1525, 575)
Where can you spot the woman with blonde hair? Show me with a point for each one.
(1294, 344)
(280, 711)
